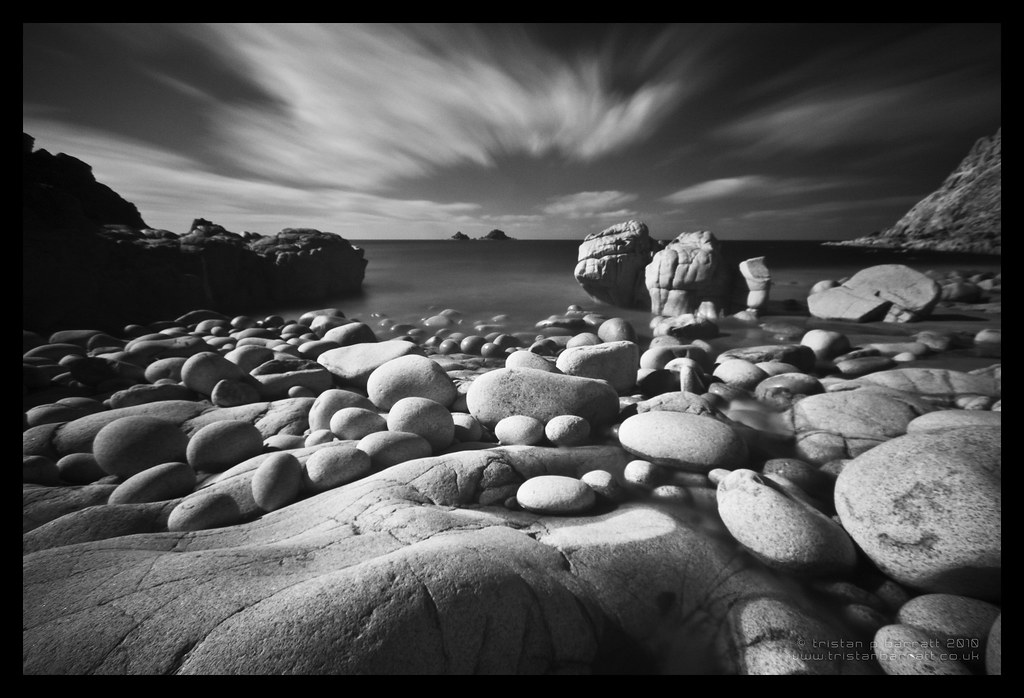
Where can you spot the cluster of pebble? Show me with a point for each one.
(185, 411)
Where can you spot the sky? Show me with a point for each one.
(378, 131)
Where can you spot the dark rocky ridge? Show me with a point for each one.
(963, 215)
(89, 259)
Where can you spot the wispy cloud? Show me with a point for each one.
(754, 185)
(589, 204)
(366, 104)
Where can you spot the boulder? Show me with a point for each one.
(540, 394)
(926, 509)
(683, 441)
(611, 264)
(889, 292)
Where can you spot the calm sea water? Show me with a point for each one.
(529, 280)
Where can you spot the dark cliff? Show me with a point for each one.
(90, 261)
(963, 215)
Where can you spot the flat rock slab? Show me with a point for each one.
(891, 292)
(404, 573)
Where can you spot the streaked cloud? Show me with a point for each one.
(754, 185)
(588, 204)
(367, 104)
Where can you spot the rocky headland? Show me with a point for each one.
(89, 258)
(963, 215)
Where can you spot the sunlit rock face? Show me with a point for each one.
(611, 264)
(689, 271)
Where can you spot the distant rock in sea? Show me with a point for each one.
(89, 259)
(460, 236)
(496, 235)
(963, 215)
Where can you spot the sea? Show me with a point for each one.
(523, 282)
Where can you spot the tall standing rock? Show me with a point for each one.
(689, 271)
(611, 264)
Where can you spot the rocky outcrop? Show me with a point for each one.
(460, 236)
(687, 272)
(496, 235)
(409, 571)
(687, 277)
(963, 215)
(611, 264)
(90, 260)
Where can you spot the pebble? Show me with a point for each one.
(739, 372)
(616, 329)
(334, 466)
(683, 441)
(131, 444)
(330, 401)
(519, 430)
(605, 486)
(204, 510)
(781, 390)
(782, 531)
(960, 622)
(555, 495)
(864, 365)
(425, 417)
(202, 371)
(926, 509)
(319, 436)
(80, 469)
(233, 393)
(524, 358)
(387, 448)
(567, 430)
(903, 650)
(826, 344)
(353, 423)
(220, 445)
(467, 428)
(409, 376)
(643, 474)
(157, 484)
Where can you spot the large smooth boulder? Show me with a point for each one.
(889, 292)
(926, 508)
(683, 441)
(352, 365)
(941, 387)
(543, 395)
(611, 264)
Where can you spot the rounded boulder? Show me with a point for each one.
(134, 443)
(540, 394)
(683, 441)
(926, 509)
(410, 376)
(555, 494)
(221, 445)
